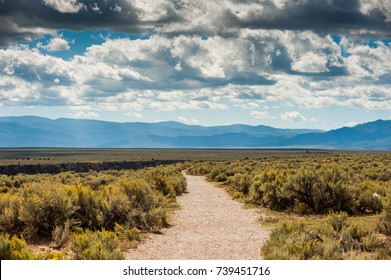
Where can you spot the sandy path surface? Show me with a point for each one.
(209, 225)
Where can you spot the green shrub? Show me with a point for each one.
(269, 189)
(215, 172)
(331, 238)
(178, 181)
(359, 237)
(307, 189)
(89, 207)
(358, 231)
(384, 222)
(132, 234)
(321, 189)
(162, 184)
(199, 168)
(222, 177)
(42, 208)
(255, 193)
(115, 206)
(331, 249)
(9, 213)
(240, 182)
(371, 242)
(50, 255)
(14, 248)
(98, 245)
(384, 253)
(61, 234)
(338, 220)
(296, 242)
(134, 203)
(368, 197)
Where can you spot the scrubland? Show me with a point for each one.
(93, 215)
(317, 206)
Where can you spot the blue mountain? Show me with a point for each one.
(31, 131)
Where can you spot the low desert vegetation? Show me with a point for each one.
(321, 206)
(93, 215)
(317, 206)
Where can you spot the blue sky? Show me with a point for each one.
(289, 64)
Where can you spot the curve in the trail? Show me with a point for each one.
(209, 225)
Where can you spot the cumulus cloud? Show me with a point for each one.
(293, 116)
(251, 71)
(365, 61)
(261, 57)
(57, 44)
(16, 91)
(26, 20)
(223, 18)
(321, 16)
(376, 6)
(311, 62)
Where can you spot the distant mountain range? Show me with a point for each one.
(76, 133)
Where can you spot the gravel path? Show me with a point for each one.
(209, 225)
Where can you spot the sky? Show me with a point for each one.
(288, 64)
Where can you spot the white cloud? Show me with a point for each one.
(213, 58)
(262, 115)
(84, 115)
(368, 6)
(140, 74)
(280, 3)
(9, 69)
(178, 67)
(225, 18)
(293, 116)
(153, 10)
(311, 63)
(248, 70)
(65, 6)
(15, 91)
(57, 44)
(134, 115)
(365, 61)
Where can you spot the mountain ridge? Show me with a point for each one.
(33, 131)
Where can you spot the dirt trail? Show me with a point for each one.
(209, 225)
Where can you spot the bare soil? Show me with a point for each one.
(209, 225)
